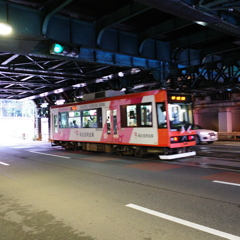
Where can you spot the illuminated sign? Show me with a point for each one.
(178, 98)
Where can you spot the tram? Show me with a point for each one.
(156, 121)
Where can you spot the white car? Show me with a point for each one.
(205, 135)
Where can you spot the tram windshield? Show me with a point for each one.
(180, 115)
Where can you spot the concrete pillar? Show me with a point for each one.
(225, 120)
(37, 126)
(196, 115)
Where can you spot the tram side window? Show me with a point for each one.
(63, 120)
(55, 124)
(114, 121)
(136, 115)
(92, 118)
(74, 119)
(146, 114)
(131, 116)
(161, 115)
(128, 115)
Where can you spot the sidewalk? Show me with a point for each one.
(9, 140)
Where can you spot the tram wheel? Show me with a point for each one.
(75, 146)
(118, 151)
(140, 152)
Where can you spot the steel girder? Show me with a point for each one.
(211, 77)
(34, 75)
(83, 34)
(110, 43)
(49, 9)
(33, 44)
(195, 11)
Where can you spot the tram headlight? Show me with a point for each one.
(178, 139)
(174, 139)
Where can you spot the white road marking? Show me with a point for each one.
(229, 183)
(23, 147)
(184, 222)
(49, 154)
(3, 163)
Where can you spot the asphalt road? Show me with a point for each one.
(50, 193)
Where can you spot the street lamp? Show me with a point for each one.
(5, 28)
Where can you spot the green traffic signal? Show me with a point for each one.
(57, 48)
(63, 50)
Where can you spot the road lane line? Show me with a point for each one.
(49, 154)
(3, 163)
(229, 183)
(184, 222)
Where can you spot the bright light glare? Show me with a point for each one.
(138, 86)
(43, 94)
(201, 23)
(58, 90)
(98, 80)
(121, 74)
(79, 85)
(5, 28)
(44, 105)
(81, 96)
(60, 102)
(135, 70)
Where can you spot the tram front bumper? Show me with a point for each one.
(179, 155)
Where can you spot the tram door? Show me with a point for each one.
(54, 125)
(111, 116)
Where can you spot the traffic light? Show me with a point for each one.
(63, 50)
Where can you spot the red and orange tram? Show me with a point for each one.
(156, 121)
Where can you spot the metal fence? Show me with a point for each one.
(229, 136)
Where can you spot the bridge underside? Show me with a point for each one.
(187, 45)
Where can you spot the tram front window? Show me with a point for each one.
(180, 115)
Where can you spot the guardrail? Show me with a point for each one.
(229, 136)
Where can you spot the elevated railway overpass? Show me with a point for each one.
(188, 45)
